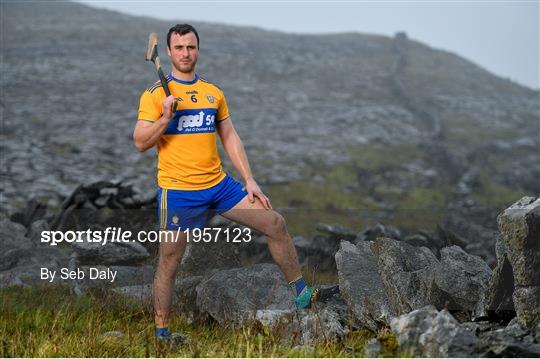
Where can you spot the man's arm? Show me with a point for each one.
(147, 133)
(235, 150)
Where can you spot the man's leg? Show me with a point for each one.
(272, 224)
(170, 255)
(280, 244)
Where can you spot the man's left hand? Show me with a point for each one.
(253, 191)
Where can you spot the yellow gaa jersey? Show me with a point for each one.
(187, 151)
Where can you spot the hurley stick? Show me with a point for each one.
(152, 55)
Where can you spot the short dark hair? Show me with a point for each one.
(181, 29)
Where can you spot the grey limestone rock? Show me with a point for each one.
(233, 296)
(428, 332)
(463, 276)
(527, 304)
(186, 297)
(407, 273)
(202, 257)
(511, 341)
(361, 285)
(519, 225)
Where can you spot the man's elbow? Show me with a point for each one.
(140, 145)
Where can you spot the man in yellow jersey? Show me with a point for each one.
(191, 179)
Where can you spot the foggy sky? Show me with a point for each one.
(500, 36)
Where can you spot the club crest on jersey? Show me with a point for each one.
(210, 98)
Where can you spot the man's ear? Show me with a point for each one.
(168, 51)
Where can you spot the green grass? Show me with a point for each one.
(341, 199)
(495, 195)
(376, 158)
(49, 322)
(422, 208)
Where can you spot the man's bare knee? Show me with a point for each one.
(169, 261)
(276, 226)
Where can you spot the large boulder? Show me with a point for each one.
(233, 296)
(408, 274)
(463, 276)
(361, 285)
(185, 289)
(519, 225)
(427, 332)
(388, 277)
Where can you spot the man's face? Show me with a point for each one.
(184, 51)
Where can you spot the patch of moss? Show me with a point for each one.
(495, 195)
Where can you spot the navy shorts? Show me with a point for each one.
(181, 209)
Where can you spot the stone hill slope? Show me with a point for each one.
(329, 121)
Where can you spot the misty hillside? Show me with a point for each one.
(329, 122)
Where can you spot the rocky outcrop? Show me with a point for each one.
(463, 276)
(233, 296)
(379, 280)
(361, 285)
(407, 273)
(514, 286)
(519, 225)
(81, 264)
(427, 332)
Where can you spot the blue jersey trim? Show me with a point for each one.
(184, 82)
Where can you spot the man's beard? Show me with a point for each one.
(184, 68)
